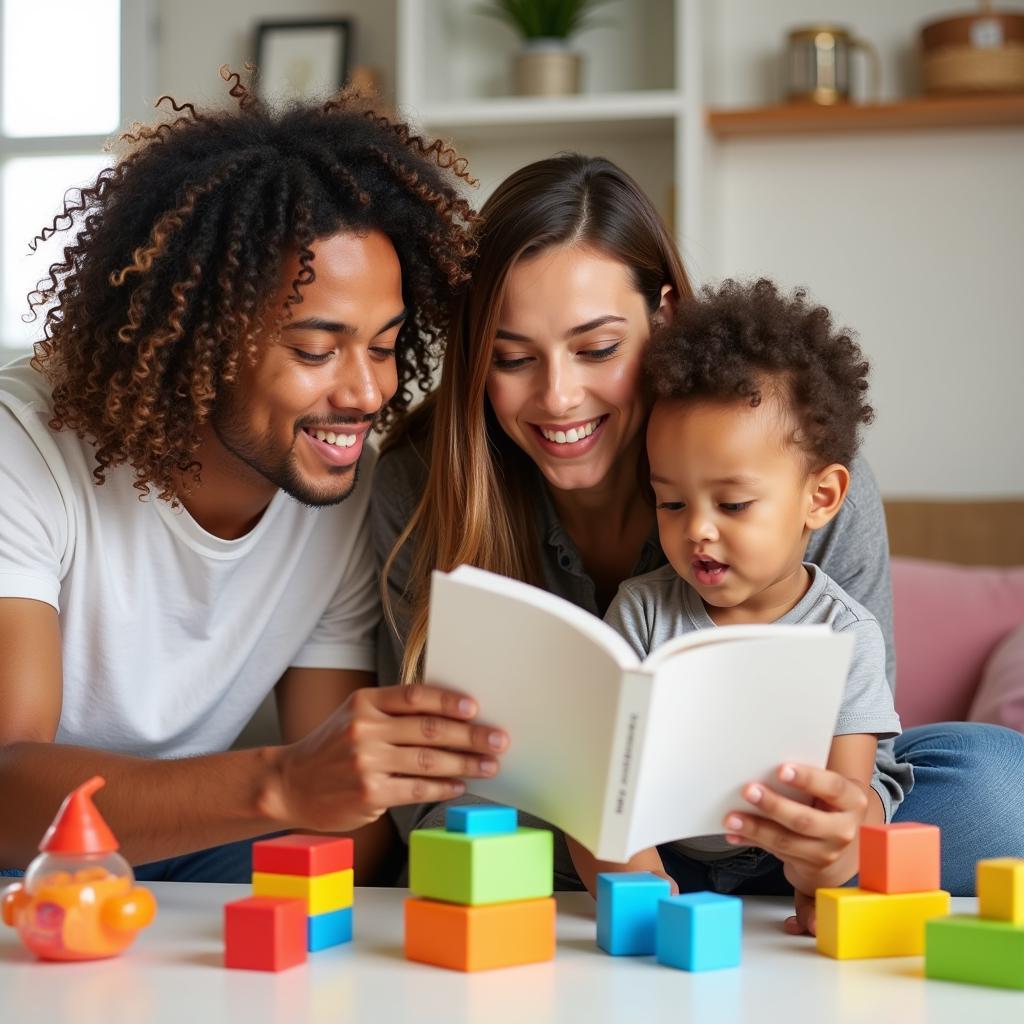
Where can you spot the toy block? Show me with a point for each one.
(1001, 889)
(479, 938)
(699, 931)
(975, 950)
(477, 870)
(321, 893)
(302, 855)
(900, 858)
(854, 923)
(330, 929)
(264, 933)
(627, 911)
(484, 820)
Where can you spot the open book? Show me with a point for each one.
(623, 755)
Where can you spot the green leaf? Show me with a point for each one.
(540, 19)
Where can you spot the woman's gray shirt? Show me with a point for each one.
(853, 549)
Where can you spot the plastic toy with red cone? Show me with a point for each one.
(78, 900)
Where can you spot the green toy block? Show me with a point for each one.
(478, 869)
(975, 950)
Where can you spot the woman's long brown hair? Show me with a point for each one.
(476, 508)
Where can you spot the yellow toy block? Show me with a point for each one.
(1001, 889)
(855, 923)
(322, 893)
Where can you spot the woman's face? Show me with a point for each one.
(564, 377)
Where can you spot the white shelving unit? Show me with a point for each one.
(640, 103)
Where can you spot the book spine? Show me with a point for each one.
(624, 766)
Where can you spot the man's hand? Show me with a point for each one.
(818, 843)
(385, 746)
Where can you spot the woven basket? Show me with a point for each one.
(965, 69)
(974, 53)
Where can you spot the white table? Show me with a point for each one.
(173, 973)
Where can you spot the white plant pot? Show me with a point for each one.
(547, 67)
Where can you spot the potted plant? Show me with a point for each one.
(545, 66)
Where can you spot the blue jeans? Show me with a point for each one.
(231, 862)
(967, 780)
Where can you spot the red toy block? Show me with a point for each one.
(302, 855)
(900, 858)
(264, 933)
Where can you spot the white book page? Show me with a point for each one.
(726, 634)
(724, 715)
(544, 670)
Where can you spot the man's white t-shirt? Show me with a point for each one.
(171, 637)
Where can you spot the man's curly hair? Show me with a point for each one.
(167, 285)
(746, 341)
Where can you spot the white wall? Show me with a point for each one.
(197, 36)
(914, 239)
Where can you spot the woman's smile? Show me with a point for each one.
(569, 440)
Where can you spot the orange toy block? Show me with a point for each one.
(479, 938)
(900, 858)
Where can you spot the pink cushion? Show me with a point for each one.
(1000, 696)
(948, 619)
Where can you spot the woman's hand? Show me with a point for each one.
(817, 843)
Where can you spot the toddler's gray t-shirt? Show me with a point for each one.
(652, 609)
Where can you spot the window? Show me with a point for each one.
(74, 72)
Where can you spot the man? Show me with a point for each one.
(181, 526)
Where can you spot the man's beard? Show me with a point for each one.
(281, 470)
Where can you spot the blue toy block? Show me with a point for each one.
(330, 929)
(481, 820)
(627, 911)
(700, 931)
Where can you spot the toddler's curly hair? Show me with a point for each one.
(745, 342)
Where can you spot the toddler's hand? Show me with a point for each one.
(816, 843)
(650, 860)
(802, 922)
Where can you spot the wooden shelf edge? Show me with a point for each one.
(652, 105)
(905, 115)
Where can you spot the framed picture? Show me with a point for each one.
(302, 59)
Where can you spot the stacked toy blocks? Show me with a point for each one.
(697, 931)
(987, 949)
(316, 870)
(483, 888)
(899, 892)
(296, 878)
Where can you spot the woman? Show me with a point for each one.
(528, 460)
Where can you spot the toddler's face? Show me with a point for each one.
(733, 497)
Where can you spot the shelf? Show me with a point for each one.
(533, 110)
(919, 114)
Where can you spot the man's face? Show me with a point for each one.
(299, 416)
